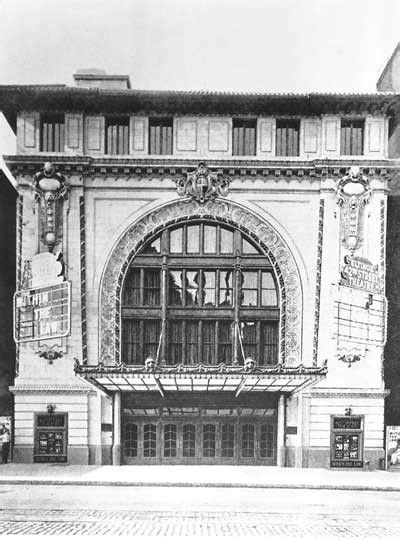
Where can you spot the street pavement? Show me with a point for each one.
(209, 511)
(59, 499)
(202, 475)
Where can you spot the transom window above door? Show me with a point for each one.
(200, 292)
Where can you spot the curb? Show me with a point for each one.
(106, 483)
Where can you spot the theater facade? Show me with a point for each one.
(200, 275)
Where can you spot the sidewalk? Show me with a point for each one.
(198, 476)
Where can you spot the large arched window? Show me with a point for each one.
(200, 292)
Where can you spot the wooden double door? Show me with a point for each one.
(194, 440)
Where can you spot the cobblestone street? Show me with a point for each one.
(279, 513)
(279, 525)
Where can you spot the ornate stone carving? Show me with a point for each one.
(318, 280)
(198, 369)
(352, 194)
(49, 189)
(20, 212)
(202, 185)
(26, 280)
(264, 235)
(82, 229)
(50, 353)
(349, 359)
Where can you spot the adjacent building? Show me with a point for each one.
(8, 195)
(200, 275)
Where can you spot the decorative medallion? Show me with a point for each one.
(350, 359)
(202, 185)
(262, 232)
(50, 353)
(49, 189)
(352, 194)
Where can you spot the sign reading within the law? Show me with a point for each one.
(42, 313)
(360, 273)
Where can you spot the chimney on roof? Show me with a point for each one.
(389, 81)
(98, 78)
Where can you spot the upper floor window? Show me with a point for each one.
(287, 137)
(117, 135)
(160, 136)
(52, 133)
(244, 137)
(352, 137)
(200, 292)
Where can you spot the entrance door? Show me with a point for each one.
(170, 440)
(194, 440)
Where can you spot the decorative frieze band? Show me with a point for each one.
(82, 227)
(175, 168)
(318, 280)
(50, 389)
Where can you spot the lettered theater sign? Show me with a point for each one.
(360, 273)
(42, 313)
(42, 309)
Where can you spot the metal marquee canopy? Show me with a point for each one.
(200, 378)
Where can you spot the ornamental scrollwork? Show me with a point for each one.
(349, 359)
(353, 192)
(202, 185)
(224, 211)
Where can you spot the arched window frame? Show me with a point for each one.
(196, 317)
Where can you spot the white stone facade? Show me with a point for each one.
(293, 199)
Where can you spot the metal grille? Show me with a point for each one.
(117, 136)
(160, 136)
(352, 138)
(287, 137)
(52, 133)
(244, 137)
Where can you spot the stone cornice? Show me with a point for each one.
(368, 393)
(172, 168)
(16, 98)
(50, 389)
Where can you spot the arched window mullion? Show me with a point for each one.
(200, 341)
(236, 344)
(164, 303)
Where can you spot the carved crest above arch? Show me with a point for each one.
(216, 210)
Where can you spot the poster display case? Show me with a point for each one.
(347, 442)
(50, 438)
